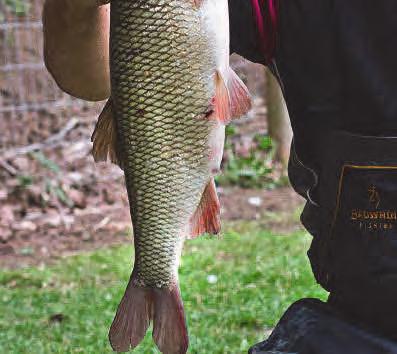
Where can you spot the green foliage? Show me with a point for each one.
(18, 7)
(52, 186)
(246, 172)
(46, 162)
(253, 171)
(55, 189)
(230, 130)
(25, 181)
(68, 308)
(265, 142)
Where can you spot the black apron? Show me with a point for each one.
(336, 62)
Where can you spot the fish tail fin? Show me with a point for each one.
(232, 99)
(206, 218)
(132, 318)
(104, 137)
(169, 324)
(141, 305)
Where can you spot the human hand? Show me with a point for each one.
(75, 8)
(85, 4)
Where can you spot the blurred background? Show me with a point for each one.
(65, 230)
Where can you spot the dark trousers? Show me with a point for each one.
(312, 327)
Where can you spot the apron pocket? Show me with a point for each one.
(357, 195)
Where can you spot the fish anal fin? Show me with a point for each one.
(104, 138)
(232, 99)
(206, 218)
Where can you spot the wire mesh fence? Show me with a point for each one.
(32, 107)
(31, 104)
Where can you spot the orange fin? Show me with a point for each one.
(222, 100)
(105, 137)
(206, 218)
(138, 307)
(240, 99)
(197, 3)
(232, 99)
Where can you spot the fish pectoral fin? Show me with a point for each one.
(206, 218)
(232, 99)
(104, 137)
(221, 102)
(240, 98)
(197, 3)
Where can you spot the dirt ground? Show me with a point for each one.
(54, 200)
(43, 237)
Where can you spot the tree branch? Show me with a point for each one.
(51, 142)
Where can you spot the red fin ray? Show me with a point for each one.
(232, 99)
(197, 3)
(206, 218)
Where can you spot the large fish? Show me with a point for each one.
(172, 94)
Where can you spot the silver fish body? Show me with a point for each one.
(172, 93)
(162, 85)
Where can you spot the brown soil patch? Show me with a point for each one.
(42, 236)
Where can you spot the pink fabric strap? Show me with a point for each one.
(266, 17)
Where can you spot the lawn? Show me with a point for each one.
(235, 288)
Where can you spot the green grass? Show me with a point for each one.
(258, 276)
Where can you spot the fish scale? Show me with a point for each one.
(172, 94)
(158, 90)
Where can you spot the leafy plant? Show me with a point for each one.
(53, 187)
(230, 130)
(18, 7)
(264, 142)
(247, 172)
(46, 162)
(253, 171)
(25, 181)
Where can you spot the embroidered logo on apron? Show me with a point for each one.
(365, 201)
(374, 218)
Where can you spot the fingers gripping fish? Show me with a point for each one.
(172, 94)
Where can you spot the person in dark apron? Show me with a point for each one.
(335, 61)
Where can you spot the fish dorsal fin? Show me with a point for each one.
(232, 99)
(206, 218)
(104, 137)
